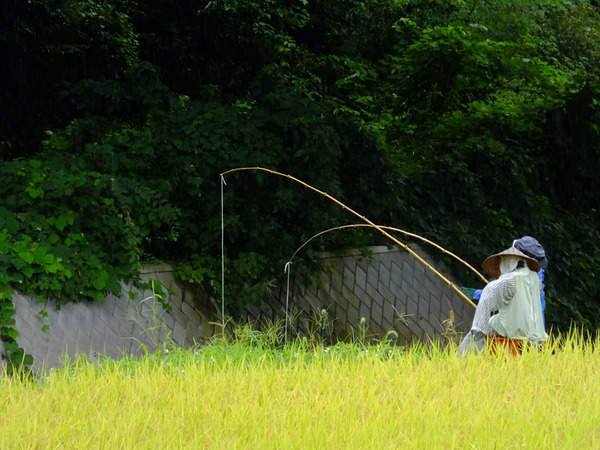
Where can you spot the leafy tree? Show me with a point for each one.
(473, 119)
(48, 48)
(457, 120)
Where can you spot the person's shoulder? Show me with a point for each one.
(525, 272)
(505, 278)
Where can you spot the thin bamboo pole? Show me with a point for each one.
(356, 225)
(363, 218)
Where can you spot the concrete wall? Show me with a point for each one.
(129, 324)
(393, 291)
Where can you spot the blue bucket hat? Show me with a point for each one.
(532, 248)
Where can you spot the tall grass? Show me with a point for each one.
(237, 395)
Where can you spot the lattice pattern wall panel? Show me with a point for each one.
(394, 291)
(116, 326)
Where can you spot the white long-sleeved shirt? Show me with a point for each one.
(496, 298)
(496, 294)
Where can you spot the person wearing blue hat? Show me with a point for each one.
(532, 248)
(509, 313)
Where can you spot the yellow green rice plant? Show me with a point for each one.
(229, 396)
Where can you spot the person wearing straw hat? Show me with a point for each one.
(509, 311)
(532, 248)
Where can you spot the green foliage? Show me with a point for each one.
(193, 142)
(62, 237)
(469, 123)
(476, 122)
(194, 46)
(62, 233)
(49, 47)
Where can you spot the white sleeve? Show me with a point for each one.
(499, 292)
(495, 295)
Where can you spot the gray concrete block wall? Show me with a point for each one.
(130, 324)
(392, 292)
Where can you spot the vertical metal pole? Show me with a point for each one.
(287, 298)
(222, 257)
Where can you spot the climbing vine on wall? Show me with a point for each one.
(62, 236)
(456, 120)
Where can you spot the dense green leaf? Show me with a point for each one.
(467, 122)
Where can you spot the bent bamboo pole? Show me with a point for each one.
(356, 225)
(380, 229)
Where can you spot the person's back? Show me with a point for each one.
(532, 248)
(509, 312)
(521, 317)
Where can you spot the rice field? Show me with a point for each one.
(348, 396)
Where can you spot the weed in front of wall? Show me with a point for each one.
(320, 327)
(360, 338)
(293, 322)
(157, 332)
(451, 334)
(272, 332)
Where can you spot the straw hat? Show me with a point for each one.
(492, 264)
